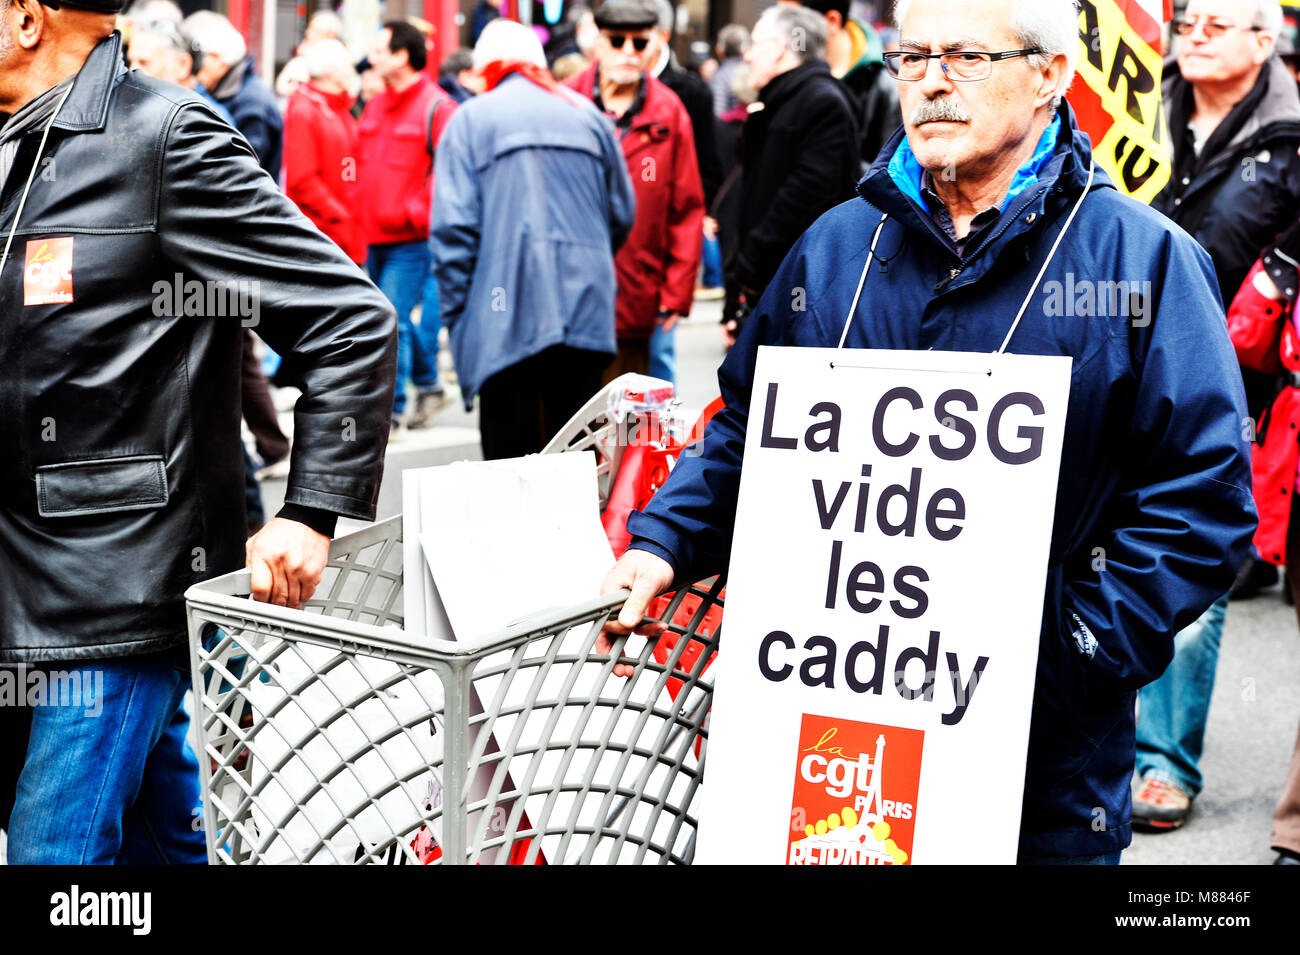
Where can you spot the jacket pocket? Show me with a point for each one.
(101, 486)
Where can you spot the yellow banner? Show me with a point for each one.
(1117, 99)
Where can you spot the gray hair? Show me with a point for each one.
(1268, 16)
(328, 58)
(733, 40)
(210, 32)
(328, 21)
(803, 31)
(1048, 25)
(510, 42)
(153, 11)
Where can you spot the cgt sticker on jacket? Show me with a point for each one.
(47, 274)
(848, 808)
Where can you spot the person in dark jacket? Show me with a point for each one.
(657, 265)
(532, 201)
(698, 101)
(695, 96)
(1234, 123)
(222, 67)
(1154, 468)
(226, 70)
(799, 151)
(856, 58)
(129, 278)
(456, 75)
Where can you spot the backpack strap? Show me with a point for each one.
(433, 115)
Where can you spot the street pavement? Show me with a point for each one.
(1256, 704)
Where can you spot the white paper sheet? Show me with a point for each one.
(507, 539)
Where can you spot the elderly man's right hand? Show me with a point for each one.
(647, 576)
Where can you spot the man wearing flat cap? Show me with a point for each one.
(140, 238)
(657, 265)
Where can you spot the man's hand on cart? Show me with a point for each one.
(287, 560)
(647, 576)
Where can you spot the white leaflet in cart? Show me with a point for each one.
(510, 539)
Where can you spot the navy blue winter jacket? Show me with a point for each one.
(1155, 467)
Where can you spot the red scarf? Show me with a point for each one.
(498, 70)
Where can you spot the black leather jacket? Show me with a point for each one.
(121, 475)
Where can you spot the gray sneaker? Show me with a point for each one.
(427, 405)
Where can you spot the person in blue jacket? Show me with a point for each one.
(533, 199)
(990, 182)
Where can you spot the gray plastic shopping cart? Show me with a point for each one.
(332, 735)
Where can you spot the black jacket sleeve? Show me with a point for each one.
(222, 218)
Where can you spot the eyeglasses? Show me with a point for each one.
(1186, 26)
(963, 66)
(619, 40)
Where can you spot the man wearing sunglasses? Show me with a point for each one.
(1234, 125)
(985, 202)
(656, 266)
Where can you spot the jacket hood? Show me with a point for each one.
(1281, 104)
(867, 47)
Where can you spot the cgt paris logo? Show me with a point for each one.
(47, 273)
(854, 810)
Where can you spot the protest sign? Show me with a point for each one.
(884, 603)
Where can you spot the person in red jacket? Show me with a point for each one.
(1263, 324)
(320, 138)
(397, 137)
(657, 265)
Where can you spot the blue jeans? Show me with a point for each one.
(400, 269)
(663, 354)
(430, 325)
(109, 776)
(255, 512)
(711, 255)
(1173, 711)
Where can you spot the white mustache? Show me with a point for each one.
(939, 110)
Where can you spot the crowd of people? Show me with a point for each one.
(557, 208)
(728, 162)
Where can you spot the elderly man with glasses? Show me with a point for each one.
(964, 207)
(657, 264)
(1234, 124)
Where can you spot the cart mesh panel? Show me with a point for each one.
(331, 735)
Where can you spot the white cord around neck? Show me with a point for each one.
(871, 254)
(1092, 169)
(31, 176)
